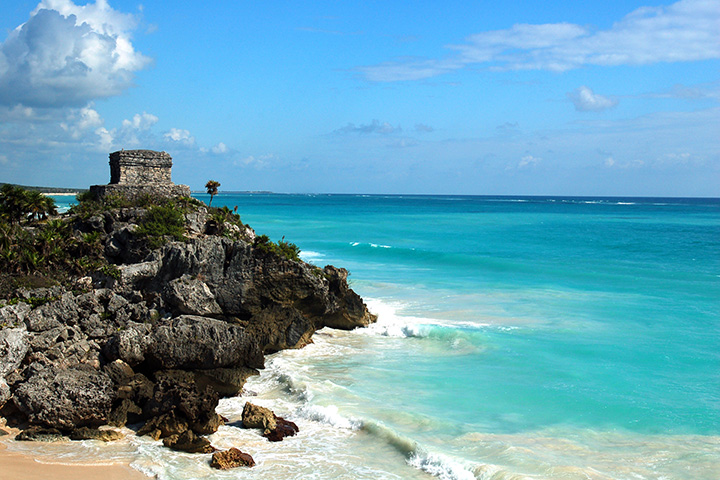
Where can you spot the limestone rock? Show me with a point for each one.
(66, 399)
(85, 433)
(231, 459)
(190, 295)
(14, 315)
(255, 416)
(40, 434)
(193, 342)
(165, 425)
(13, 347)
(284, 428)
(189, 442)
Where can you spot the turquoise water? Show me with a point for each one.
(559, 338)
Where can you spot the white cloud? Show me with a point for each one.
(609, 162)
(422, 128)
(141, 121)
(259, 161)
(528, 161)
(219, 148)
(682, 32)
(383, 128)
(179, 135)
(585, 100)
(4, 160)
(68, 55)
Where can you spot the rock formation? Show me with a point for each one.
(159, 341)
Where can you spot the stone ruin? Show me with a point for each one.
(135, 173)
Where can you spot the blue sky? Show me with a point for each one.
(515, 97)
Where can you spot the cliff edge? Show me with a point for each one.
(169, 324)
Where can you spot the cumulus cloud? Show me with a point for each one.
(220, 148)
(68, 55)
(141, 121)
(682, 32)
(585, 100)
(383, 128)
(422, 128)
(179, 135)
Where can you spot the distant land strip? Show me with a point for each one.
(49, 189)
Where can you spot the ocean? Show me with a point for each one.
(517, 338)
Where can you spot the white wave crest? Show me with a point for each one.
(330, 416)
(440, 466)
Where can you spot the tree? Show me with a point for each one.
(13, 203)
(212, 189)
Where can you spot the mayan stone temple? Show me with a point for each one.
(134, 173)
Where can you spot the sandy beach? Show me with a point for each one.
(16, 466)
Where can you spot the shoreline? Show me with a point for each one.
(60, 194)
(20, 465)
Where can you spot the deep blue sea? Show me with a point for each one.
(518, 338)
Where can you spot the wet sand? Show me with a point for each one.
(17, 466)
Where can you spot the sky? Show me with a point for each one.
(482, 98)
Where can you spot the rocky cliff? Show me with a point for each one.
(157, 339)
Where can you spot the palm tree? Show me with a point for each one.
(13, 202)
(212, 189)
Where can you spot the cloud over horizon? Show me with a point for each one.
(682, 32)
(585, 100)
(68, 55)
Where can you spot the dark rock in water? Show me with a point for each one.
(66, 399)
(165, 425)
(231, 459)
(189, 442)
(255, 416)
(208, 425)
(85, 433)
(284, 428)
(40, 434)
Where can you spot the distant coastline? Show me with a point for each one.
(51, 190)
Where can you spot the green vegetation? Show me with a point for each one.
(282, 248)
(161, 222)
(17, 204)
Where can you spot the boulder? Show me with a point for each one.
(85, 433)
(40, 434)
(284, 428)
(193, 342)
(231, 459)
(189, 442)
(255, 416)
(14, 345)
(165, 425)
(66, 399)
(129, 344)
(13, 315)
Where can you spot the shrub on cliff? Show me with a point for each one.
(160, 222)
(282, 248)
